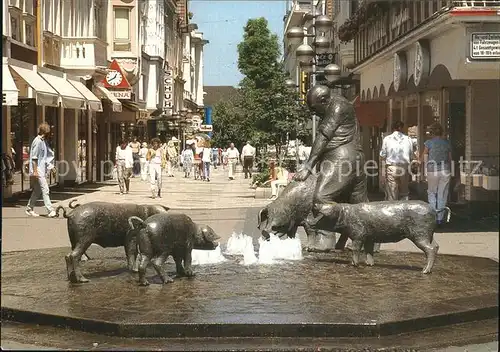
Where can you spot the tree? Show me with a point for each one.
(264, 111)
(266, 101)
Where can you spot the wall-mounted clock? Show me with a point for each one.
(114, 78)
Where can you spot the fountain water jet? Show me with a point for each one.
(278, 249)
(203, 257)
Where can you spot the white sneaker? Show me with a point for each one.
(31, 212)
(52, 214)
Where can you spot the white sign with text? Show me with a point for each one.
(122, 94)
(485, 45)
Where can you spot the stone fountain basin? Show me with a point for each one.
(319, 296)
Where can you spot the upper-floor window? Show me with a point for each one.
(353, 7)
(15, 26)
(121, 29)
(29, 33)
(99, 20)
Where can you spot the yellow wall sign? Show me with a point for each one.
(304, 86)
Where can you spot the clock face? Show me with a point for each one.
(114, 78)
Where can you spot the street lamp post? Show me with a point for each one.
(307, 54)
(291, 85)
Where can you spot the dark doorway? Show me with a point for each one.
(456, 126)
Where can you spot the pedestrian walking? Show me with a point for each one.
(143, 152)
(136, 146)
(157, 160)
(397, 151)
(39, 164)
(438, 153)
(172, 158)
(233, 155)
(248, 154)
(215, 157)
(187, 161)
(206, 158)
(198, 166)
(223, 155)
(124, 163)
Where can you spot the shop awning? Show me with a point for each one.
(370, 113)
(103, 93)
(71, 98)
(93, 102)
(10, 93)
(44, 93)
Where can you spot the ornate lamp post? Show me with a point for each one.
(306, 54)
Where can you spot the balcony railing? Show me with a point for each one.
(378, 24)
(490, 3)
(83, 53)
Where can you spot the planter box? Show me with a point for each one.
(477, 180)
(262, 193)
(490, 183)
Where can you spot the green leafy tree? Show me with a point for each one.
(264, 111)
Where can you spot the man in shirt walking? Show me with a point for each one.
(233, 155)
(38, 164)
(248, 154)
(124, 164)
(136, 146)
(397, 151)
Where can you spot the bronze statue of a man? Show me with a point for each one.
(337, 150)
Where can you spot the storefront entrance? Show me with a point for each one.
(52, 118)
(82, 147)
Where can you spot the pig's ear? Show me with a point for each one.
(164, 207)
(262, 216)
(209, 234)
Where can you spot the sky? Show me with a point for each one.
(222, 22)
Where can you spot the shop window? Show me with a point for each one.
(29, 7)
(122, 29)
(23, 131)
(397, 109)
(431, 106)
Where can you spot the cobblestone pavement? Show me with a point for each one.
(225, 205)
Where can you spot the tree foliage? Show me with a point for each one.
(264, 111)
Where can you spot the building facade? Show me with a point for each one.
(36, 47)
(97, 72)
(436, 61)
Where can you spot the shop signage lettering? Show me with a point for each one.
(121, 94)
(206, 128)
(323, 60)
(377, 31)
(485, 45)
(168, 96)
(399, 19)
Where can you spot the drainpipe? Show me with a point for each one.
(39, 32)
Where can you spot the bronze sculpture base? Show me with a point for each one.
(320, 296)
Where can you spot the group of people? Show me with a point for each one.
(198, 158)
(399, 151)
(135, 158)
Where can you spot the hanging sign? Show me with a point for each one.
(168, 94)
